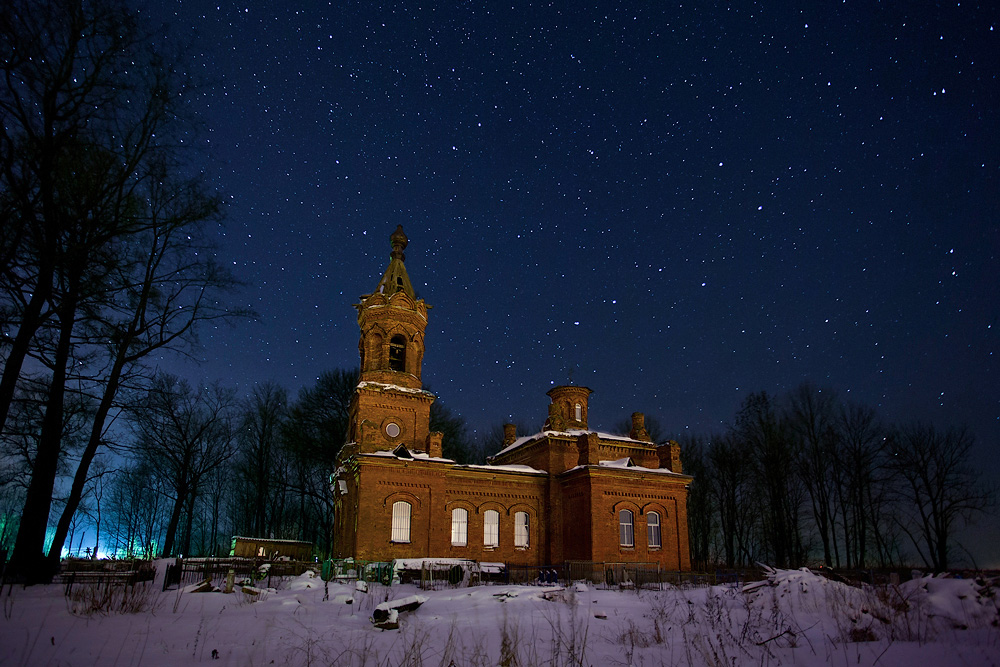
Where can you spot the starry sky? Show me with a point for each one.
(674, 204)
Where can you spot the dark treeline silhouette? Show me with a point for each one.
(105, 246)
(195, 466)
(807, 478)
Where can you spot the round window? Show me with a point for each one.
(392, 430)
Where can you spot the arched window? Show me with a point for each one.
(653, 530)
(397, 353)
(578, 412)
(491, 528)
(459, 527)
(400, 521)
(521, 530)
(626, 532)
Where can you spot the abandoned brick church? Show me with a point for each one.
(565, 494)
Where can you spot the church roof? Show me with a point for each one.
(627, 464)
(395, 279)
(382, 386)
(401, 452)
(569, 433)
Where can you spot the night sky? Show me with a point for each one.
(672, 205)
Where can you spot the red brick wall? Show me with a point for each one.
(410, 410)
(613, 490)
(433, 490)
(572, 516)
(578, 525)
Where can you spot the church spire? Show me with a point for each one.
(392, 321)
(395, 279)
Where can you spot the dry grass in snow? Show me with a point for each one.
(796, 618)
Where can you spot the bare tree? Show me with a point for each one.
(11, 501)
(106, 261)
(810, 416)
(100, 477)
(186, 434)
(862, 486)
(731, 476)
(215, 536)
(763, 437)
(59, 87)
(701, 507)
(938, 490)
(315, 431)
(318, 419)
(260, 463)
(135, 508)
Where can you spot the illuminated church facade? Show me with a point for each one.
(568, 493)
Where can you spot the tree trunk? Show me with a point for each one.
(185, 546)
(28, 558)
(175, 517)
(82, 470)
(30, 321)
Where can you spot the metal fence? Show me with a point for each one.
(348, 569)
(437, 575)
(75, 572)
(185, 571)
(449, 573)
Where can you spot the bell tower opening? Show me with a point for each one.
(397, 353)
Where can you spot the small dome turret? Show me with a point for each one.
(569, 405)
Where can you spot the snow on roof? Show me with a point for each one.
(626, 464)
(571, 433)
(395, 387)
(619, 463)
(514, 467)
(423, 456)
(269, 539)
(413, 456)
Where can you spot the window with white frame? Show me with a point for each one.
(626, 528)
(521, 530)
(491, 528)
(653, 530)
(400, 521)
(459, 527)
(578, 412)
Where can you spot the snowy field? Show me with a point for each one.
(796, 619)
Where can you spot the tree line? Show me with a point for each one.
(806, 478)
(194, 466)
(106, 245)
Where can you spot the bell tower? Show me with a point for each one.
(390, 407)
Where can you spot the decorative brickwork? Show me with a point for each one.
(583, 495)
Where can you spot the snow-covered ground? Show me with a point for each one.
(797, 619)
